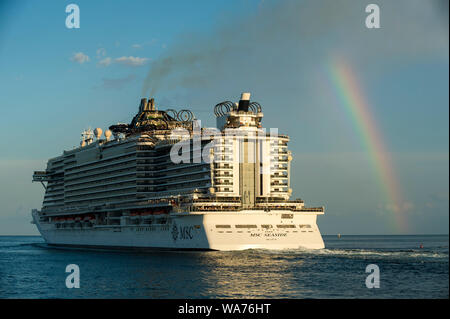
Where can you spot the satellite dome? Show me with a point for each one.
(98, 132)
(108, 134)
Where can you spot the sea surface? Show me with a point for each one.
(30, 269)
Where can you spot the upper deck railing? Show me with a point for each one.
(41, 176)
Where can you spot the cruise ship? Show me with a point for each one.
(164, 182)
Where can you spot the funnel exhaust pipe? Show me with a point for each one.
(244, 102)
(151, 104)
(143, 104)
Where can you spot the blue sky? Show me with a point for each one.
(277, 50)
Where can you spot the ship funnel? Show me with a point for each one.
(244, 102)
(151, 104)
(143, 104)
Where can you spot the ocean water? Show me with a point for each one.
(30, 269)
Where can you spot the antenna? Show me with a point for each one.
(87, 136)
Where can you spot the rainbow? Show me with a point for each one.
(351, 97)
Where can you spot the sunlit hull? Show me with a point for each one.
(195, 231)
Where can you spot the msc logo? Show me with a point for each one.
(183, 232)
(174, 232)
(186, 232)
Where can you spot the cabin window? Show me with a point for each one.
(286, 226)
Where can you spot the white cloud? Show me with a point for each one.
(101, 52)
(105, 62)
(137, 46)
(131, 60)
(80, 57)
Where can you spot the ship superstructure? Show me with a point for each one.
(163, 182)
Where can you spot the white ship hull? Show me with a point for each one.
(247, 229)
